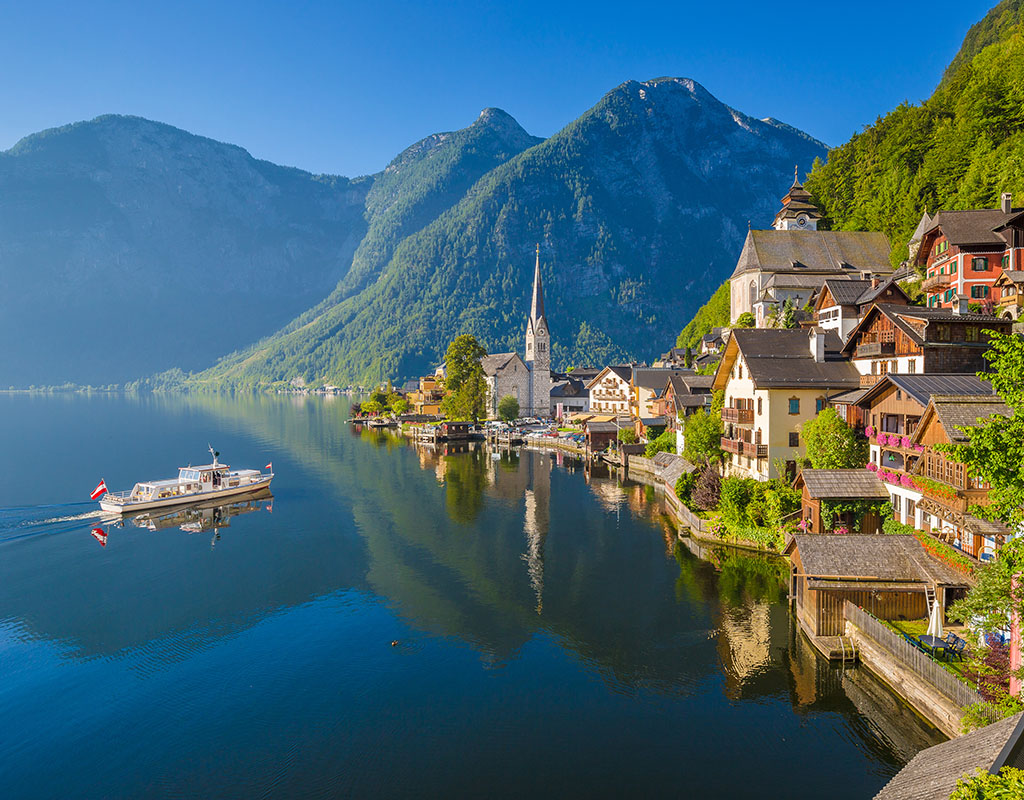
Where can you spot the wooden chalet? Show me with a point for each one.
(1009, 294)
(889, 576)
(912, 340)
(841, 486)
(599, 434)
(450, 429)
(841, 303)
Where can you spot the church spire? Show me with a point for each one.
(537, 306)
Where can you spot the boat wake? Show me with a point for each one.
(18, 522)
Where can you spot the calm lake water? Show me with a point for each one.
(553, 639)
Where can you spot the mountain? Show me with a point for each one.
(129, 246)
(958, 149)
(640, 207)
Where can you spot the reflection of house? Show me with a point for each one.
(908, 339)
(886, 575)
(963, 252)
(933, 774)
(839, 489)
(792, 261)
(775, 381)
(841, 304)
(610, 390)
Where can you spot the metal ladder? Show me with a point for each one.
(929, 596)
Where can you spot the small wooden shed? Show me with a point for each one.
(451, 429)
(599, 434)
(842, 488)
(886, 575)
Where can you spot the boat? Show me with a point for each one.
(201, 515)
(193, 484)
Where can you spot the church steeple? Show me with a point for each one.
(798, 212)
(537, 306)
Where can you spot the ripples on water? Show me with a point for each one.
(394, 621)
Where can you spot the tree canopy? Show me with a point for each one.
(832, 444)
(508, 408)
(464, 383)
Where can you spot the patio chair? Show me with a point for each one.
(957, 649)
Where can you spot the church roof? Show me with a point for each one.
(537, 303)
(837, 252)
(496, 362)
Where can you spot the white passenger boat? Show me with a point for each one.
(193, 484)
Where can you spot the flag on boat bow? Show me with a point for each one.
(270, 466)
(99, 491)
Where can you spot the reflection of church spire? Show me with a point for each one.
(536, 526)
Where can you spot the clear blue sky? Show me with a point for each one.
(343, 87)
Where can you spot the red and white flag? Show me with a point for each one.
(270, 466)
(99, 491)
(100, 536)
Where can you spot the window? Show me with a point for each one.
(794, 405)
(979, 264)
(952, 267)
(819, 404)
(740, 367)
(980, 290)
(1006, 261)
(909, 516)
(942, 333)
(753, 293)
(759, 406)
(794, 439)
(912, 366)
(971, 333)
(894, 366)
(949, 295)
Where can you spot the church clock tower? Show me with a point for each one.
(538, 349)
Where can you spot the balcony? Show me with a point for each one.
(935, 283)
(732, 445)
(741, 448)
(738, 416)
(754, 450)
(869, 349)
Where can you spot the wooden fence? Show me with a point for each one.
(911, 658)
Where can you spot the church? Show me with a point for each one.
(527, 379)
(793, 259)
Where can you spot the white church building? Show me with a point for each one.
(527, 379)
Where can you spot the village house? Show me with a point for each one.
(1009, 294)
(569, 395)
(645, 385)
(425, 399)
(610, 390)
(682, 396)
(932, 492)
(911, 339)
(891, 577)
(962, 253)
(793, 259)
(830, 497)
(842, 303)
(774, 381)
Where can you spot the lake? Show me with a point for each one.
(393, 622)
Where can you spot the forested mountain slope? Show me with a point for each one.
(640, 207)
(959, 149)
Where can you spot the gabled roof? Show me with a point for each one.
(814, 251)
(899, 316)
(975, 226)
(846, 292)
(960, 411)
(496, 362)
(921, 387)
(570, 387)
(897, 558)
(782, 358)
(623, 372)
(841, 483)
(873, 293)
(1010, 276)
(656, 378)
(934, 772)
(924, 225)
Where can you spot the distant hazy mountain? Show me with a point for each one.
(128, 247)
(640, 207)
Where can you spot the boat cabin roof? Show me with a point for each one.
(208, 466)
(162, 483)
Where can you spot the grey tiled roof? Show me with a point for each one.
(847, 483)
(883, 558)
(653, 377)
(933, 773)
(782, 358)
(846, 292)
(494, 363)
(974, 226)
(814, 251)
(922, 387)
(964, 411)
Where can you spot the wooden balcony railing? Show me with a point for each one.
(732, 445)
(876, 349)
(936, 282)
(738, 416)
(742, 448)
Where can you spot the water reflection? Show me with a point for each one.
(564, 581)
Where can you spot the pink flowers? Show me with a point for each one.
(919, 448)
(906, 481)
(872, 467)
(841, 530)
(905, 442)
(883, 439)
(869, 431)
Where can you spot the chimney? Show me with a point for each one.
(1005, 202)
(816, 340)
(874, 282)
(960, 304)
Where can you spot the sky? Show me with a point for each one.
(338, 87)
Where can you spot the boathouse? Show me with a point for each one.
(892, 577)
(451, 429)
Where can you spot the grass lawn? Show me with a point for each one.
(918, 627)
